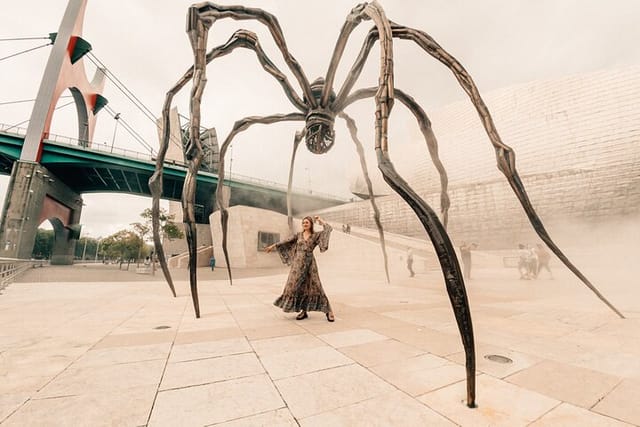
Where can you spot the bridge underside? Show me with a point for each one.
(87, 170)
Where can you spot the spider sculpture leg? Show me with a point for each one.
(384, 98)
(427, 132)
(155, 182)
(238, 127)
(296, 143)
(211, 12)
(353, 130)
(505, 155)
(199, 20)
(198, 31)
(435, 229)
(240, 38)
(448, 262)
(344, 98)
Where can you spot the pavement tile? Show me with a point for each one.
(618, 363)
(579, 386)
(322, 391)
(207, 349)
(285, 344)
(420, 374)
(127, 407)
(371, 320)
(136, 339)
(209, 321)
(622, 402)
(215, 403)
(107, 379)
(69, 341)
(195, 336)
(378, 352)
(204, 371)
(519, 361)
(554, 349)
(297, 362)
(567, 414)
(603, 341)
(322, 326)
(126, 354)
(392, 409)
(275, 330)
(499, 403)
(10, 402)
(19, 382)
(431, 317)
(278, 418)
(351, 337)
(436, 342)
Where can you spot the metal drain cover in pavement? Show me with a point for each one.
(162, 327)
(497, 358)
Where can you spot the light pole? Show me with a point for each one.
(84, 251)
(97, 249)
(115, 128)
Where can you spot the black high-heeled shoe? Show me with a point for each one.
(302, 315)
(330, 317)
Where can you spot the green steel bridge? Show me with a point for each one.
(102, 169)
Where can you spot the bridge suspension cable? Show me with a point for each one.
(27, 120)
(21, 101)
(129, 129)
(25, 38)
(130, 95)
(25, 51)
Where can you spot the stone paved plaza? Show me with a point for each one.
(95, 346)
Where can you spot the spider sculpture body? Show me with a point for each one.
(318, 108)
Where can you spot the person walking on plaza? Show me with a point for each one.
(533, 262)
(465, 255)
(410, 262)
(303, 290)
(523, 262)
(543, 259)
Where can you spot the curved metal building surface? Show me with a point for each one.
(577, 144)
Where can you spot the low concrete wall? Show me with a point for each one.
(242, 239)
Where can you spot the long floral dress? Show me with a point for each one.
(303, 290)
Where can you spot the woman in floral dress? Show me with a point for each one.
(303, 291)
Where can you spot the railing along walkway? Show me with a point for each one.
(10, 269)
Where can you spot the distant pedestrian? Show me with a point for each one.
(212, 262)
(410, 262)
(543, 260)
(533, 262)
(465, 255)
(523, 262)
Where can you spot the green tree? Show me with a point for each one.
(43, 244)
(123, 246)
(86, 246)
(169, 228)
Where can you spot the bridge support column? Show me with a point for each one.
(34, 194)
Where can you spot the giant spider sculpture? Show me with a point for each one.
(318, 107)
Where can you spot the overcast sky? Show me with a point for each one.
(143, 43)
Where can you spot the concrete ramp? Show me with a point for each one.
(182, 260)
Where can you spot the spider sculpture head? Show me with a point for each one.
(319, 122)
